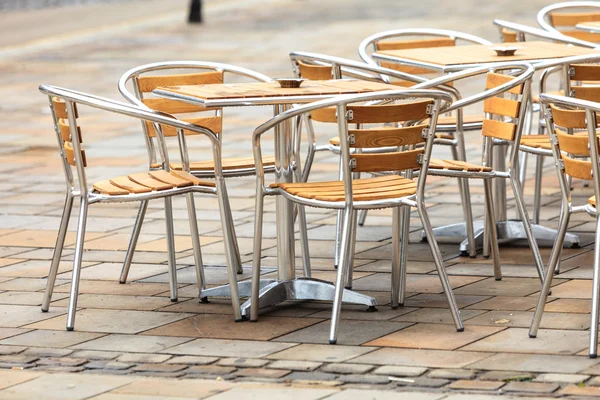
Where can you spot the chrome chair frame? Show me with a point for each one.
(79, 187)
(524, 72)
(344, 67)
(349, 205)
(543, 34)
(591, 110)
(136, 98)
(544, 14)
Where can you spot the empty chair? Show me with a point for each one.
(143, 186)
(351, 193)
(572, 125)
(562, 18)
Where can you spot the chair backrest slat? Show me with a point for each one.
(584, 72)
(396, 161)
(62, 119)
(215, 124)
(387, 137)
(172, 106)
(60, 108)
(70, 154)
(500, 106)
(570, 119)
(494, 79)
(315, 72)
(591, 93)
(498, 129)
(416, 110)
(147, 84)
(579, 169)
(509, 36)
(573, 18)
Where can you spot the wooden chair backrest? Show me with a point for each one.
(315, 72)
(507, 109)
(584, 81)
(146, 84)
(565, 22)
(60, 111)
(415, 110)
(509, 36)
(571, 146)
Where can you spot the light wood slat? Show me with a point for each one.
(395, 161)
(455, 165)
(378, 195)
(416, 110)
(328, 114)
(356, 189)
(60, 108)
(585, 72)
(573, 144)
(467, 119)
(415, 44)
(509, 36)
(536, 141)
(315, 72)
(192, 178)
(498, 129)
(330, 184)
(105, 187)
(408, 69)
(477, 54)
(125, 183)
(70, 154)
(215, 124)
(65, 132)
(170, 179)
(572, 19)
(579, 169)
(172, 106)
(387, 137)
(568, 118)
(149, 83)
(500, 106)
(592, 201)
(591, 93)
(493, 80)
(144, 179)
(582, 35)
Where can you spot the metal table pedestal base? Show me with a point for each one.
(303, 289)
(507, 231)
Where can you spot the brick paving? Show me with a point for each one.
(146, 347)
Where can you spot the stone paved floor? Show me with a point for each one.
(146, 347)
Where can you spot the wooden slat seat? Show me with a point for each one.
(335, 141)
(536, 141)
(455, 165)
(146, 182)
(229, 164)
(592, 201)
(467, 119)
(368, 189)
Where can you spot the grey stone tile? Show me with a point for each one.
(43, 338)
(131, 343)
(228, 348)
(535, 363)
(421, 358)
(321, 353)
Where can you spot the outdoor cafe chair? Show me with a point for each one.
(505, 100)
(143, 80)
(395, 191)
(572, 125)
(163, 183)
(322, 67)
(561, 18)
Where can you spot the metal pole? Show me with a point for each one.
(195, 12)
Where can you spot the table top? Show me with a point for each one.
(453, 58)
(266, 93)
(589, 26)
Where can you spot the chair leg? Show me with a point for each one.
(171, 248)
(537, 193)
(554, 260)
(537, 257)
(60, 242)
(256, 260)
(200, 280)
(341, 273)
(362, 217)
(304, 241)
(465, 199)
(593, 352)
(349, 271)
(137, 228)
(338, 226)
(83, 209)
(404, 239)
(439, 265)
(230, 223)
(491, 229)
(396, 271)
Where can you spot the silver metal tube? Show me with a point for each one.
(256, 256)
(171, 248)
(199, 264)
(492, 230)
(137, 228)
(362, 217)
(404, 240)
(594, 317)
(537, 192)
(396, 251)
(60, 241)
(353, 227)
(74, 292)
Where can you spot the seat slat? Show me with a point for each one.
(359, 189)
(315, 72)
(536, 141)
(455, 165)
(170, 179)
(149, 83)
(387, 137)
(395, 161)
(145, 179)
(105, 187)
(125, 183)
(498, 129)
(192, 178)
(329, 184)
(500, 106)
